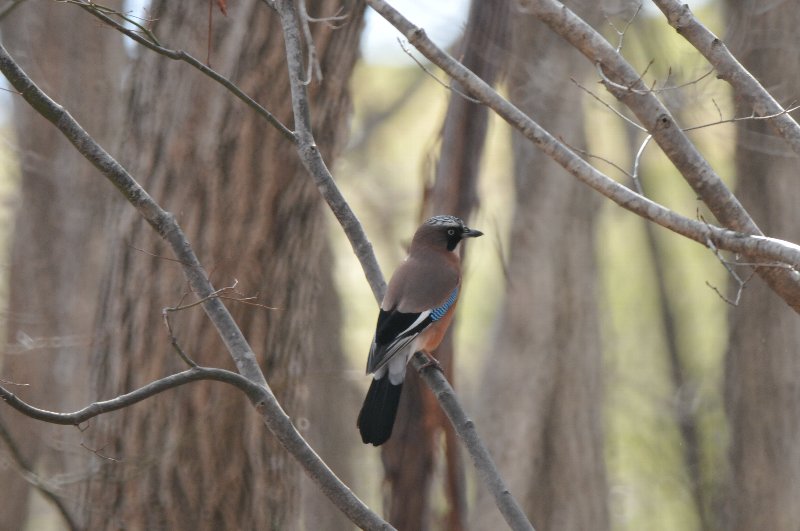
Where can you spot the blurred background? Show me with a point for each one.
(613, 383)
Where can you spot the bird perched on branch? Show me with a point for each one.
(414, 316)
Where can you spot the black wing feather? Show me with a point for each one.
(391, 334)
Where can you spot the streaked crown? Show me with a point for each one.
(445, 221)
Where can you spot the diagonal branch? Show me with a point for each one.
(731, 70)
(622, 81)
(765, 248)
(165, 225)
(465, 428)
(309, 152)
(153, 44)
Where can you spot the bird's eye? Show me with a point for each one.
(451, 232)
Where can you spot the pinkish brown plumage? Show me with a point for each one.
(414, 316)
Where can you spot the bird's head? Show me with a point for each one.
(443, 231)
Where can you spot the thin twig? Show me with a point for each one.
(333, 18)
(621, 33)
(589, 155)
(432, 75)
(741, 119)
(637, 160)
(314, 67)
(608, 106)
(665, 88)
(151, 43)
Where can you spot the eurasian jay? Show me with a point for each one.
(415, 313)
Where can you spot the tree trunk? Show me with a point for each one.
(542, 383)
(762, 395)
(197, 459)
(56, 250)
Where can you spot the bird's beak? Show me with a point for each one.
(471, 233)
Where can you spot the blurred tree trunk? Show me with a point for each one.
(542, 383)
(763, 366)
(409, 456)
(56, 251)
(197, 459)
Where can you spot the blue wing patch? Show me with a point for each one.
(438, 313)
(396, 330)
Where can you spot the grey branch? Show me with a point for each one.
(764, 248)
(622, 81)
(465, 428)
(731, 70)
(310, 155)
(165, 225)
(153, 44)
(255, 392)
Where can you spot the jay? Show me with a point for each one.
(414, 316)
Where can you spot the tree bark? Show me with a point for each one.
(197, 460)
(542, 383)
(56, 250)
(762, 366)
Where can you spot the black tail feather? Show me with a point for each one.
(379, 410)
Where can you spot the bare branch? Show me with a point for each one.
(760, 246)
(637, 160)
(431, 74)
(731, 70)
(151, 43)
(621, 33)
(607, 106)
(311, 157)
(674, 142)
(741, 119)
(314, 68)
(165, 225)
(465, 428)
(253, 391)
(740, 283)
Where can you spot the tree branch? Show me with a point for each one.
(764, 247)
(731, 70)
(465, 428)
(310, 155)
(103, 13)
(627, 85)
(165, 225)
(253, 391)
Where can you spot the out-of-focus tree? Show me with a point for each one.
(763, 366)
(542, 381)
(56, 252)
(253, 216)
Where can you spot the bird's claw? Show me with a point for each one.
(432, 362)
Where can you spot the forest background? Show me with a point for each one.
(622, 376)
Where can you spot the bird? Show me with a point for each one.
(414, 315)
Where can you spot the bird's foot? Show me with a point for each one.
(432, 362)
